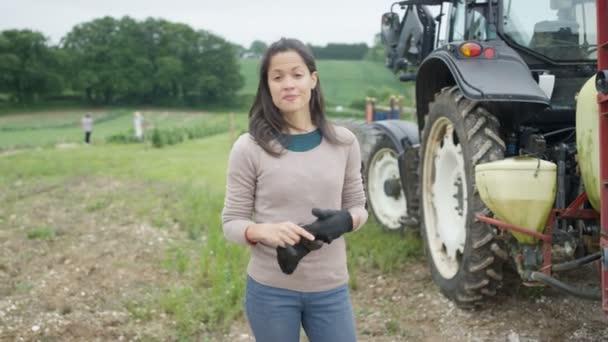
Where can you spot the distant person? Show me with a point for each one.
(87, 127)
(138, 123)
(293, 186)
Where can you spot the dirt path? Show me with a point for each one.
(78, 286)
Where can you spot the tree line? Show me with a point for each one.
(120, 61)
(341, 51)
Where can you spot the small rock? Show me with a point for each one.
(513, 337)
(35, 328)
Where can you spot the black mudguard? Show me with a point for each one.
(402, 133)
(504, 77)
(406, 138)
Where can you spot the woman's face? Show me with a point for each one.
(290, 83)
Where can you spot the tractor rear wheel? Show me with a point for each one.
(464, 257)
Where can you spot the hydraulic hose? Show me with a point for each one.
(576, 263)
(582, 293)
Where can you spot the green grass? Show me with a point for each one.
(23, 287)
(141, 311)
(42, 233)
(182, 186)
(342, 81)
(387, 251)
(176, 259)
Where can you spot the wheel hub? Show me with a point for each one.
(392, 188)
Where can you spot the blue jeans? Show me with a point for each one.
(275, 314)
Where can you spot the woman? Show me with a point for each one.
(294, 182)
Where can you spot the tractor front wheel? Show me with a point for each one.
(464, 257)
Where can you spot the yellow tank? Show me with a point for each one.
(587, 141)
(520, 191)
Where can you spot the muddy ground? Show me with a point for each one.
(83, 284)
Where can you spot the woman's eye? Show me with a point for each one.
(276, 78)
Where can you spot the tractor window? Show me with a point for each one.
(478, 27)
(457, 21)
(557, 29)
(586, 15)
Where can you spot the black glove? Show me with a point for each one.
(330, 225)
(289, 257)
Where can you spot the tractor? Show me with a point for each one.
(502, 167)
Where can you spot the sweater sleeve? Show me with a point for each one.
(240, 190)
(353, 195)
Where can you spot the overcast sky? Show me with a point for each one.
(239, 21)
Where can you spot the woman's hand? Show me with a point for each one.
(277, 234)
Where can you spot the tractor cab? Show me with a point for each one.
(555, 39)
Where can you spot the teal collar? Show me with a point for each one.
(302, 142)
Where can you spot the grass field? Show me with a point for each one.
(197, 277)
(343, 81)
(63, 127)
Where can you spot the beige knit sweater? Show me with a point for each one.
(264, 189)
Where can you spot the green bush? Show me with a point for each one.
(41, 233)
(157, 138)
(358, 104)
(123, 138)
(160, 137)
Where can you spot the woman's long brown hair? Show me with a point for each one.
(266, 123)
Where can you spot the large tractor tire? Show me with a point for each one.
(385, 195)
(464, 257)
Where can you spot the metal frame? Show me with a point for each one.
(573, 211)
(602, 99)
